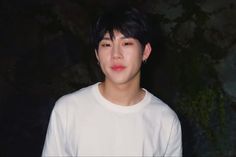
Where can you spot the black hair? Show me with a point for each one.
(130, 21)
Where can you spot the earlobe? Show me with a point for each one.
(147, 51)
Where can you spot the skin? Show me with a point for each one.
(120, 60)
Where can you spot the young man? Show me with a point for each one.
(115, 117)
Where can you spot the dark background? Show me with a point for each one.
(44, 54)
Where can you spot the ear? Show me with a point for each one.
(96, 53)
(147, 51)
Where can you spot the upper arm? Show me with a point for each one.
(55, 142)
(174, 145)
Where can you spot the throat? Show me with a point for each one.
(122, 96)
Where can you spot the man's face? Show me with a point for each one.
(121, 58)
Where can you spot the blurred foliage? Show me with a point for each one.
(205, 109)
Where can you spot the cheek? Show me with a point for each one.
(135, 55)
(104, 60)
(102, 55)
(134, 60)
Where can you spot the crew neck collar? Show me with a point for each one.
(119, 108)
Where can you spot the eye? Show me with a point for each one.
(105, 45)
(127, 43)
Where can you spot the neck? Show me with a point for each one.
(122, 94)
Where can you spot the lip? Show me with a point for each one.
(118, 67)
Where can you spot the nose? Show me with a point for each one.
(116, 52)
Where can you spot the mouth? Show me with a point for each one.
(118, 67)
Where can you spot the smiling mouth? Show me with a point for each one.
(118, 67)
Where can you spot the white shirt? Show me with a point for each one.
(84, 123)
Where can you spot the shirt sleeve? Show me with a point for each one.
(174, 146)
(55, 142)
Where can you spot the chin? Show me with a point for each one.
(118, 81)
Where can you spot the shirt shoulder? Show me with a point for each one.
(159, 110)
(73, 100)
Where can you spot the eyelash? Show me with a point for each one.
(128, 43)
(124, 44)
(105, 45)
